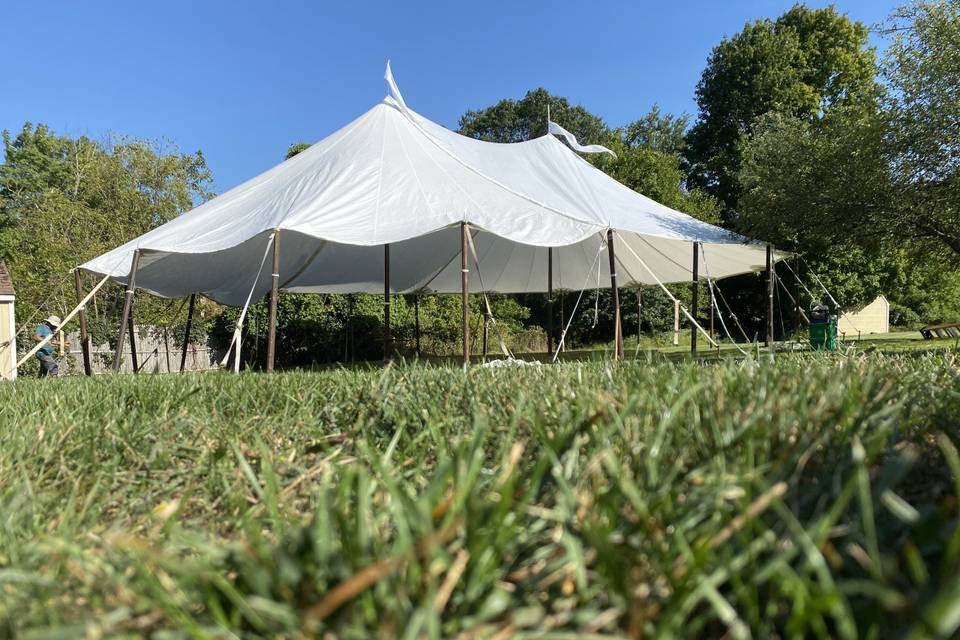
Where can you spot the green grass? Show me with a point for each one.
(813, 496)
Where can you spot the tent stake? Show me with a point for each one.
(770, 284)
(387, 336)
(134, 360)
(694, 296)
(274, 293)
(186, 332)
(465, 291)
(84, 340)
(549, 299)
(125, 316)
(617, 334)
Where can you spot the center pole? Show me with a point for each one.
(387, 336)
(549, 300)
(694, 296)
(127, 303)
(617, 334)
(465, 290)
(274, 293)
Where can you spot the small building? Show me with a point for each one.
(8, 326)
(872, 318)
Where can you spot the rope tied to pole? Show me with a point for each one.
(488, 315)
(238, 328)
(669, 294)
(716, 307)
(563, 334)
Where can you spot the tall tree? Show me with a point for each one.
(923, 68)
(525, 119)
(802, 64)
(64, 200)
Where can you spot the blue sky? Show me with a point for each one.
(243, 80)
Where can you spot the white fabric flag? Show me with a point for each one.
(557, 130)
(394, 90)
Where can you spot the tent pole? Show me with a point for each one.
(387, 337)
(465, 291)
(84, 339)
(416, 320)
(127, 302)
(770, 284)
(186, 332)
(796, 295)
(639, 313)
(549, 300)
(617, 333)
(134, 360)
(563, 344)
(486, 328)
(695, 295)
(274, 299)
(676, 322)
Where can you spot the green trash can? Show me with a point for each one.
(823, 329)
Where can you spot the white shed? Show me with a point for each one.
(872, 318)
(8, 330)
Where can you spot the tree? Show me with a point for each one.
(65, 200)
(803, 64)
(922, 66)
(294, 149)
(525, 119)
(869, 195)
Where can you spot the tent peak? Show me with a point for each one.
(393, 90)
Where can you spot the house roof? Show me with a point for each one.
(6, 284)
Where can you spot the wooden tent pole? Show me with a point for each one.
(617, 333)
(416, 320)
(127, 303)
(549, 300)
(84, 339)
(695, 295)
(797, 317)
(771, 275)
(274, 299)
(639, 313)
(186, 332)
(465, 292)
(134, 360)
(387, 335)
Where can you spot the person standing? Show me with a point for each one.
(48, 365)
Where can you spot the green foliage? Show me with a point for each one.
(869, 194)
(803, 64)
(294, 149)
(922, 66)
(525, 119)
(314, 328)
(807, 497)
(64, 201)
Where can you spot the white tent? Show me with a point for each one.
(394, 177)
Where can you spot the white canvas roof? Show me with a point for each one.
(393, 176)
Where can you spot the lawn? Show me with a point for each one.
(814, 495)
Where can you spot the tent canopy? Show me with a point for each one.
(393, 176)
